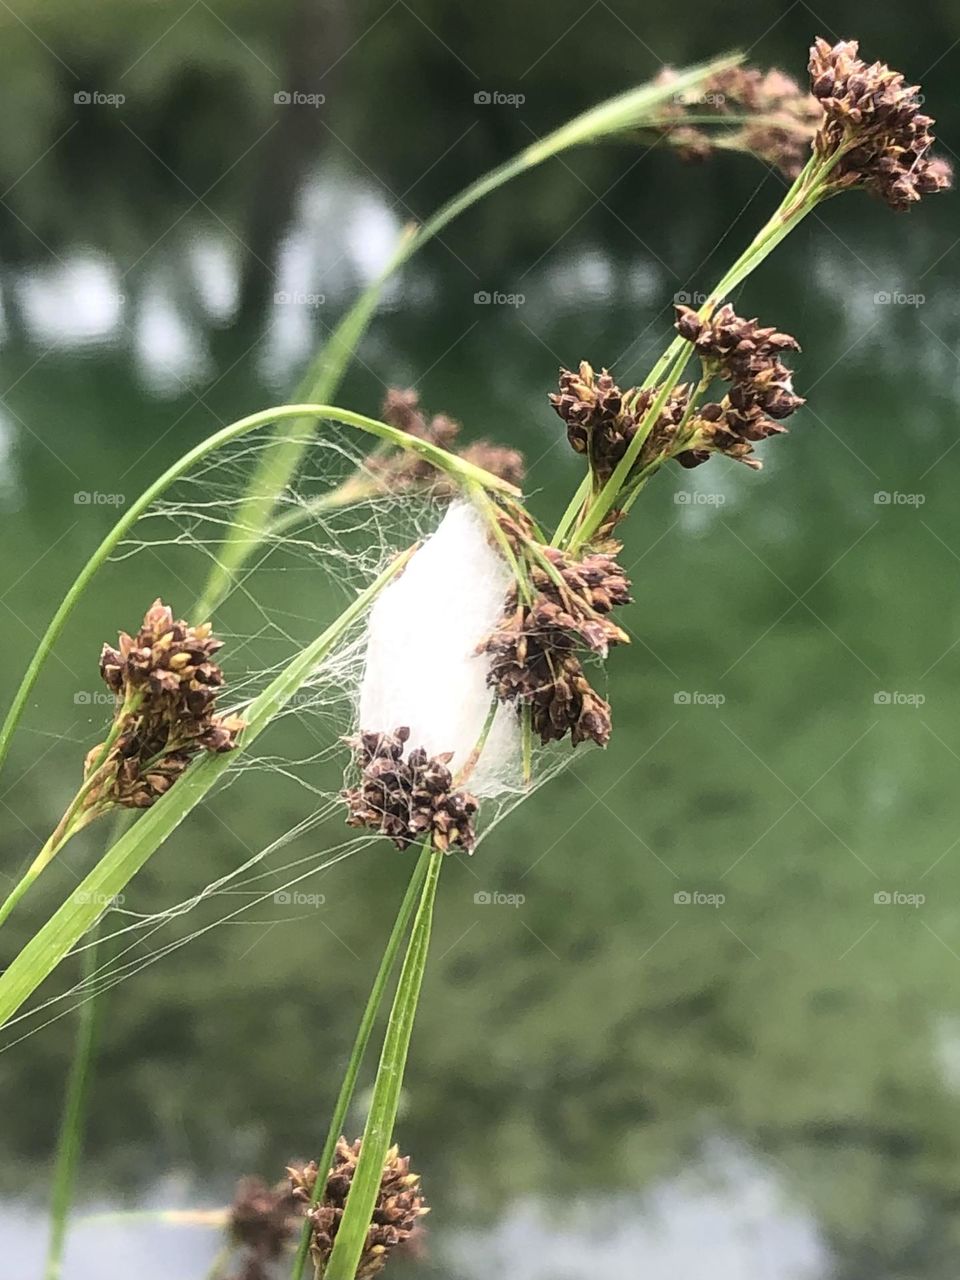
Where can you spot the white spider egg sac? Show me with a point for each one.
(421, 665)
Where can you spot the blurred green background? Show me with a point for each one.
(610, 1078)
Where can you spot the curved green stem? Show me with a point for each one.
(54, 940)
(455, 466)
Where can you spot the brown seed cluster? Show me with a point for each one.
(399, 1208)
(407, 795)
(782, 118)
(534, 651)
(263, 1221)
(872, 119)
(748, 357)
(399, 472)
(601, 420)
(166, 686)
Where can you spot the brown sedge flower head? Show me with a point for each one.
(400, 1206)
(403, 471)
(748, 357)
(873, 118)
(263, 1221)
(782, 117)
(166, 686)
(602, 420)
(408, 795)
(533, 652)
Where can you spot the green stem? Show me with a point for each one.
(526, 742)
(377, 1135)
(374, 1001)
(574, 508)
(71, 1125)
(207, 1219)
(805, 194)
(76, 817)
(491, 515)
(473, 758)
(457, 467)
(43, 859)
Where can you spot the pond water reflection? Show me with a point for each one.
(720, 1031)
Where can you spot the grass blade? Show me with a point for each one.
(349, 1082)
(377, 1134)
(71, 1126)
(123, 860)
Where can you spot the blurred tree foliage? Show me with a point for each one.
(399, 79)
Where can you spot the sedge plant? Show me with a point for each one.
(869, 133)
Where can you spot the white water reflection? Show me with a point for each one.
(728, 1218)
(170, 349)
(73, 302)
(11, 486)
(214, 263)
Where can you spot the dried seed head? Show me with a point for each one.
(781, 117)
(761, 394)
(399, 472)
(166, 686)
(533, 651)
(602, 420)
(873, 121)
(399, 1208)
(401, 408)
(598, 424)
(408, 795)
(508, 464)
(732, 347)
(263, 1221)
